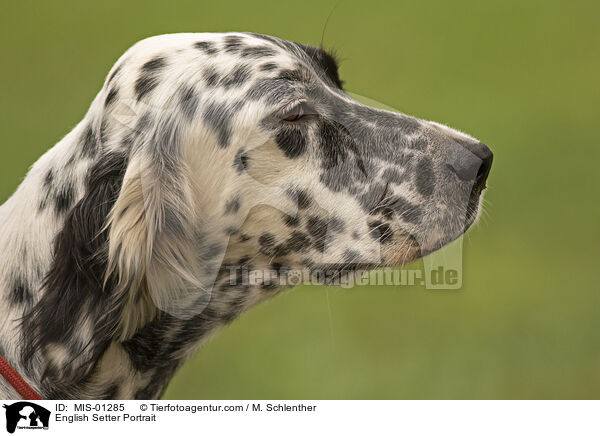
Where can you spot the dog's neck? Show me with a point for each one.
(137, 366)
(29, 223)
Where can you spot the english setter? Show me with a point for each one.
(203, 153)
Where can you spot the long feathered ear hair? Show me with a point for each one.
(157, 254)
(128, 251)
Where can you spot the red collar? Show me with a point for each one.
(17, 382)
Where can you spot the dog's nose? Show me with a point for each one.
(472, 163)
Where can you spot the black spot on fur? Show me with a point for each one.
(89, 143)
(320, 245)
(291, 75)
(267, 246)
(207, 47)
(232, 44)
(211, 77)
(110, 97)
(148, 79)
(405, 210)
(281, 250)
(336, 225)
(374, 199)
(244, 237)
(189, 102)
(232, 206)
(279, 268)
(237, 77)
(240, 161)
(317, 228)
(49, 179)
(425, 177)
(61, 197)
(300, 197)
(218, 117)
(298, 241)
(291, 221)
(378, 201)
(64, 198)
(266, 240)
(351, 256)
(381, 232)
(20, 294)
(291, 141)
(332, 144)
(269, 66)
(258, 52)
(269, 284)
(154, 64)
(144, 84)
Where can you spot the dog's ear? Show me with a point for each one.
(131, 247)
(162, 252)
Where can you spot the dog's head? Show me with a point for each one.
(246, 147)
(241, 149)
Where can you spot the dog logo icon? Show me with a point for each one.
(26, 415)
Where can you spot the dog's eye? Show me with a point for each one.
(295, 113)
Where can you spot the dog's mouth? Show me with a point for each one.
(408, 249)
(335, 273)
(343, 268)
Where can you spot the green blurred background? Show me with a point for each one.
(523, 76)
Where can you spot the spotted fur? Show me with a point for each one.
(116, 248)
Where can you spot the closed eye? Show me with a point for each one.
(296, 113)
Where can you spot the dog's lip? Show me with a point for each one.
(345, 267)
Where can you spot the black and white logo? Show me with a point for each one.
(27, 416)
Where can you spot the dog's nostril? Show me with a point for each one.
(486, 156)
(473, 164)
(465, 170)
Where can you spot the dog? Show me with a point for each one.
(203, 154)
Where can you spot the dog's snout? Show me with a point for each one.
(472, 163)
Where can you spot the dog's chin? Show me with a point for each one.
(405, 255)
(400, 253)
(409, 248)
